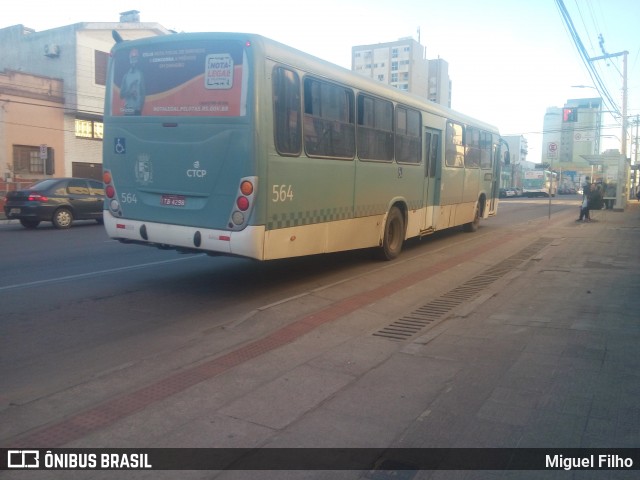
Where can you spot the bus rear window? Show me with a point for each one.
(205, 78)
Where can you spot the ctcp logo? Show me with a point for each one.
(196, 171)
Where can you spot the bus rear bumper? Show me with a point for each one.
(245, 243)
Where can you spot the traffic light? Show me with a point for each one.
(570, 115)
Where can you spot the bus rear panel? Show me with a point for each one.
(178, 143)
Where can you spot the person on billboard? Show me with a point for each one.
(132, 89)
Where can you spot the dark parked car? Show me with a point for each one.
(57, 200)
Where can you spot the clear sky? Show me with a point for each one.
(509, 60)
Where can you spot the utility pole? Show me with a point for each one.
(635, 184)
(636, 122)
(623, 177)
(624, 54)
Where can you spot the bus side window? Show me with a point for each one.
(454, 148)
(329, 129)
(485, 150)
(408, 145)
(472, 154)
(435, 155)
(375, 129)
(427, 153)
(286, 111)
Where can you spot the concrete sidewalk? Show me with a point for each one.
(542, 350)
(547, 356)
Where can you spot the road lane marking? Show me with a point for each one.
(39, 283)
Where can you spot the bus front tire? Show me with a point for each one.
(393, 237)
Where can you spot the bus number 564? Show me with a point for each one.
(282, 193)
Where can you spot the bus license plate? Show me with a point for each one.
(173, 200)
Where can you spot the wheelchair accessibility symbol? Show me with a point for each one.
(119, 146)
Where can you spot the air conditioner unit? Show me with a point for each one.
(52, 50)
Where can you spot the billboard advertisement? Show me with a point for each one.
(180, 78)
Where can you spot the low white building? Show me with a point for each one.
(76, 54)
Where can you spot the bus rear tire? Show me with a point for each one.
(473, 225)
(393, 237)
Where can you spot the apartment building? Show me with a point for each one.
(571, 133)
(402, 64)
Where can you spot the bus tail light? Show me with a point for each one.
(242, 203)
(246, 187)
(245, 199)
(110, 193)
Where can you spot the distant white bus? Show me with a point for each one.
(539, 183)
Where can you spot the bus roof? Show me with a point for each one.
(286, 54)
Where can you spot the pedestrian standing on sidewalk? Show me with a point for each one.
(596, 201)
(584, 207)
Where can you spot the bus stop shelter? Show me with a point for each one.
(613, 170)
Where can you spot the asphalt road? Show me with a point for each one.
(76, 306)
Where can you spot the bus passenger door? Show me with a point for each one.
(433, 174)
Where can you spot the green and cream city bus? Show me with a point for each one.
(234, 144)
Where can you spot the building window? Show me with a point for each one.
(101, 59)
(27, 160)
(89, 129)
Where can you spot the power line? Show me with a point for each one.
(593, 73)
(56, 107)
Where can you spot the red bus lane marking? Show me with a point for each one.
(84, 423)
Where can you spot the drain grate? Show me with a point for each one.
(414, 322)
